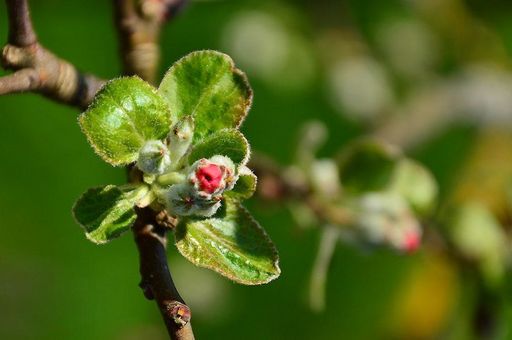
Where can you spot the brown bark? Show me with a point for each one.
(36, 68)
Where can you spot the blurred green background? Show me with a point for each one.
(357, 65)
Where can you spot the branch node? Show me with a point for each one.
(15, 58)
(179, 312)
(165, 220)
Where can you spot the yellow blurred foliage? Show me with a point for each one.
(487, 175)
(425, 300)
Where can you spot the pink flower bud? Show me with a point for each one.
(209, 177)
(412, 241)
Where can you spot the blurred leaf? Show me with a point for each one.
(125, 114)
(207, 86)
(226, 142)
(106, 212)
(245, 185)
(233, 245)
(487, 174)
(416, 184)
(367, 165)
(478, 235)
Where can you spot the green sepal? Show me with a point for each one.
(125, 114)
(107, 212)
(207, 86)
(232, 244)
(227, 142)
(245, 185)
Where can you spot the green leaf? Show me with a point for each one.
(125, 114)
(233, 245)
(416, 184)
(106, 212)
(245, 185)
(367, 165)
(206, 85)
(479, 236)
(227, 142)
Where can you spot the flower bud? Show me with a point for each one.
(211, 177)
(181, 200)
(154, 157)
(386, 218)
(180, 137)
(227, 165)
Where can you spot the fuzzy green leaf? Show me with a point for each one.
(106, 212)
(207, 86)
(234, 245)
(245, 185)
(125, 114)
(367, 165)
(227, 142)
(416, 184)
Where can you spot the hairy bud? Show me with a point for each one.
(180, 200)
(180, 138)
(386, 218)
(154, 158)
(211, 177)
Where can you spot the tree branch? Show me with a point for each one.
(139, 24)
(23, 80)
(156, 281)
(37, 69)
(21, 32)
(275, 184)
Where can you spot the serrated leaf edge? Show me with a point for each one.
(267, 239)
(247, 156)
(236, 71)
(81, 117)
(87, 234)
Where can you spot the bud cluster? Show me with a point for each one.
(185, 190)
(157, 157)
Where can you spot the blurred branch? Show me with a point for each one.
(36, 68)
(275, 184)
(139, 24)
(156, 281)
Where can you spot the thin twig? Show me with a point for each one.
(156, 281)
(21, 32)
(20, 81)
(274, 184)
(36, 68)
(139, 26)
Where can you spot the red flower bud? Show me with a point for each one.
(412, 241)
(209, 177)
